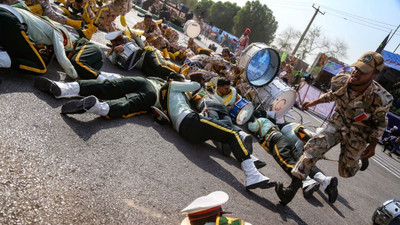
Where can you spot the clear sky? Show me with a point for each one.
(361, 24)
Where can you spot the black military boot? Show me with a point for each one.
(286, 194)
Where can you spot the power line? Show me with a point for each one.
(357, 16)
(289, 4)
(288, 7)
(384, 29)
(361, 23)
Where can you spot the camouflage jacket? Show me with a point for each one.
(364, 116)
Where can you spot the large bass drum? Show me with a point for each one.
(192, 29)
(260, 63)
(276, 96)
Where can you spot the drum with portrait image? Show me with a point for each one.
(242, 111)
(192, 29)
(276, 96)
(260, 64)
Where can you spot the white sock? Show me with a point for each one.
(5, 60)
(70, 89)
(252, 157)
(100, 108)
(109, 76)
(308, 181)
(322, 179)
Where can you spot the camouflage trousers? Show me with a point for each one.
(351, 148)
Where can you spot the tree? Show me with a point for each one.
(336, 49)
(188, 3)
(259, 19)
(202, 8)
(287, 39)
(222, 13)
(310, 43)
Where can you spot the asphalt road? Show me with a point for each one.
(83, 169)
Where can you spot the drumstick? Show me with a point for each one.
(205, 104)
(129, 29)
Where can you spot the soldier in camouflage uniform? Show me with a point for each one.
(359, 119)
(107, 14)
(169, 33)
(213, 65)
(153, 34)
(105, 17)
(79, 6)
(43, 7)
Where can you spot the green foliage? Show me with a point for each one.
(221, 15)
(259, 19)
(203, 7)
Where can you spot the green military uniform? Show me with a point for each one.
(155, 65)
(86, 58)
(126, 97)
(222, 220)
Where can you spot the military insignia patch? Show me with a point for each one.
(367, 58)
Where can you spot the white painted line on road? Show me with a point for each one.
(389, 161)
(377, 160)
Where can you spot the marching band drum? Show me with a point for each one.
(261, 65)
(125, 59)
(277, 96)
(242, 111)
(192, 29)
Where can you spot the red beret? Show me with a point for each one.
(248, 30)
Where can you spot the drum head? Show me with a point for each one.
(263, 67)
(245, 114)
(283, 103)
(192, 29)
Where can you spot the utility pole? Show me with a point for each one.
(305, 31)
(393, 33)
(396, 48)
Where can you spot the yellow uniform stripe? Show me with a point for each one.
(133, 114)
(36, 70)
(99, 14)
(81, 64)
(161, 64)
(281, 159)
(229, 131)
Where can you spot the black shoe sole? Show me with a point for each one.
(79, 106)
(332, 190)
(263, 185)
(259, 164)
(365, 164)
(280, 193)
(47, 85)
(310, 193)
